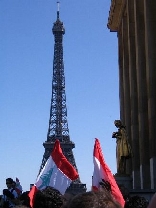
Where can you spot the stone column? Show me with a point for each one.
(150, 31)
(142, 94)
(120, 60)
(126, 84)
(133, 95)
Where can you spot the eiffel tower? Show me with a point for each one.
(58, 124)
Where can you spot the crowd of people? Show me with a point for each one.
(52, 198)
(13, 195)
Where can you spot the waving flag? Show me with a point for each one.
(102, 172)
(57, 173)
(18, 187)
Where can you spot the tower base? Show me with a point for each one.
(76, 188)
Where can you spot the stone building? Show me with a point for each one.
(134, 21)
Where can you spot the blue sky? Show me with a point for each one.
(91, 76)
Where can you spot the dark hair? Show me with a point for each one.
(10, 180)
(24, 198)
(48, 198)
(136, 202)
(94, 199)
(7, 193)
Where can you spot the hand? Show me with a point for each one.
(105, 185)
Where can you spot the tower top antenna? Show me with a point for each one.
(58, 9)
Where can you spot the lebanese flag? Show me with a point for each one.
(57, 173)
(102, 171)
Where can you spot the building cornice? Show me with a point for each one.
(115, 14)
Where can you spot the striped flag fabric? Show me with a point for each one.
(102, 172)
(57, 173)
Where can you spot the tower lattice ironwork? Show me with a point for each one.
(58, 124)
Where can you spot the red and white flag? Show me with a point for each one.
(102, 171)
(57, 173)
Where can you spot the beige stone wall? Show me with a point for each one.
(134, 21)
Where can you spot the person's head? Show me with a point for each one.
(68, 197)
(24, 199)
(7, 193)
(135, 202)
(48, 198)
(9, 182)
(94, 199)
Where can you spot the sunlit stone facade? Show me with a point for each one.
(134, 21)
